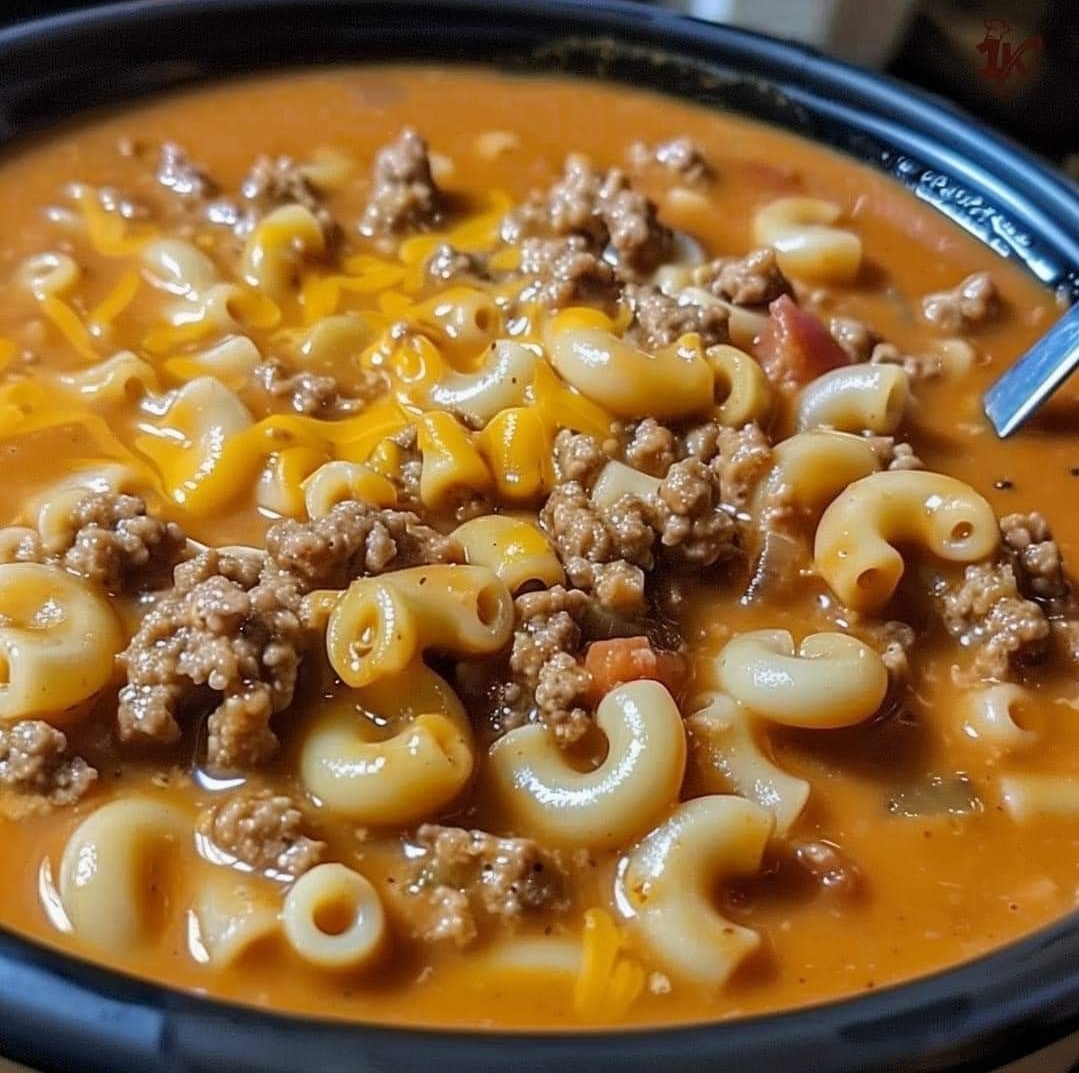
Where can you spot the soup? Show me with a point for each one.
(452, 579)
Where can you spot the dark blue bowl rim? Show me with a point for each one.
(58, 1012)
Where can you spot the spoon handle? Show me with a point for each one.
(1035, 376)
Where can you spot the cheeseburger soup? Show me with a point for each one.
(465, 565)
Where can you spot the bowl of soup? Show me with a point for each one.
(502, 561)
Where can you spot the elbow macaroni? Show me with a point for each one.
(990, 716)
(727, 758)
(675, 382)
(349, 764)
(741, 383)
(618, 800)
(333, 918)
(501, 382)
(58, 639)
(381, 625)
(669, 878)
(807, 245)
(337, 482)
(808, 471)
(854, 545)
(115, 871)
(517, 550)
(855, 398)
(832, 680)
(233, 915)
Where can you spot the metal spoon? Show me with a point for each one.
(1035, 376)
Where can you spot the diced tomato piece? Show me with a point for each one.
(629, 659)
(795, 347)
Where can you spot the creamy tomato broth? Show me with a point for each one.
(290, 720)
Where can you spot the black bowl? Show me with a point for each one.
(59, 1014)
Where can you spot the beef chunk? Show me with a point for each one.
(603, 551)
(607, 549)
(546, 681)
(652, 448)
(37, 771)
(175, 172)
(307, 392)
(111, 540)
(317, 394)
(578, 457)
(855, 337)
(117, 544)
(660, 319)
(640, 241)
(225, 639)
(894, 641)
(262, 830)
(603, 209)
(894, 454)
(753, 280)
(681, 157)
(972, 302)
(460, 878)
(688, 517)
(353, 540)
(276, 181)
(403, 191)
(740, 457)
(986, 613)
(448, 263)
(564, 271)
(1036, 560)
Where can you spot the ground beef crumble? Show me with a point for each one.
(607, 549)
(316, 394)
(985, 612)
(226, 640)
(578, 457)
(276, 181)
(894, 454)
(753, 280)
(262, 830)
(403, 194)
(970, 303)
(855, 337)
(565, 271)
(546, 681)
(603, 209)
(659, 319)
(353, 540)
(603, 551)
(918, 367)
(37, 770)
(177, 173)
(689, 517)
(448, 263)
(681, 157)
(740, 457)
(1036, 560)
(111, 540)
(894, 641)
(652, 448)
(462, 878)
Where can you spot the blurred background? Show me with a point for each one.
(1014, 63)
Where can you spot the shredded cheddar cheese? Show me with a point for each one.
(610, 980)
